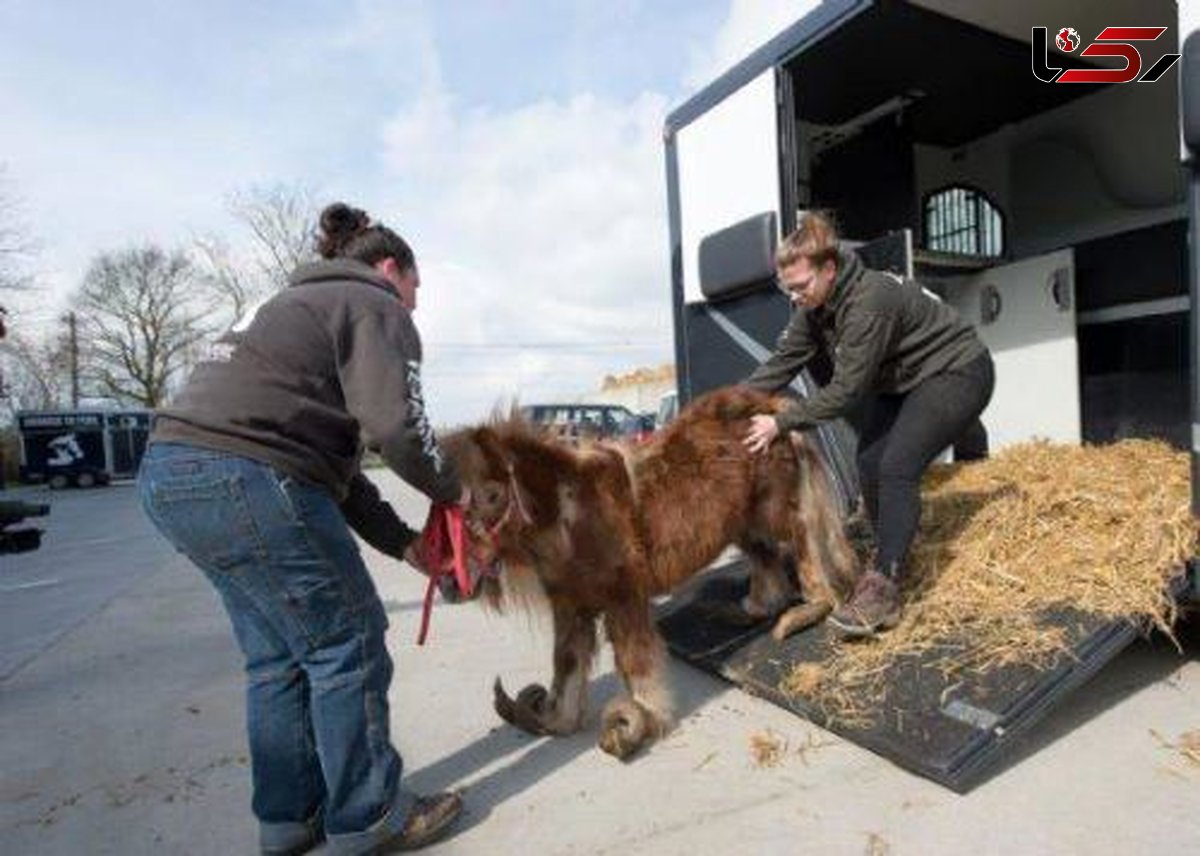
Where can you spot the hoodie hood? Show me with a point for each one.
(850, 268)
(324, 270)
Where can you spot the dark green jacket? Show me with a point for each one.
(883, 335)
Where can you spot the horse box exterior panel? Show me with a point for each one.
(844, 112)
(103, 444)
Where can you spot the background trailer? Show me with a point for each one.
(81, 447)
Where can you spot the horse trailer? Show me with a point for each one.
(81, 448)
(1029, 161)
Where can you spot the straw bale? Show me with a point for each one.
(1099, 529)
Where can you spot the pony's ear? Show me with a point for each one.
(508, 469)
(494, 452)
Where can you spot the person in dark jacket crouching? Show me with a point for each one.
(920, 374)
(254, 473)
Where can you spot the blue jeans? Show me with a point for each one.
(311, 626)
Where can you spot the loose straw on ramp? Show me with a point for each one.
(1099, 529)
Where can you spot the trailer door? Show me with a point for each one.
(728, 169)
(1025, 313)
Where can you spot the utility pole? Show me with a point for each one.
(73, 346)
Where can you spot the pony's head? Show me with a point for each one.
(499, 507)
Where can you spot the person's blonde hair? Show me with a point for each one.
(815, 239)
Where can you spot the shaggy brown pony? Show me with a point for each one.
(599, 530)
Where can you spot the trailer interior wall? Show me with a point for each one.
(1065, 163)
(1114, 156)
(1094, 174)
(1097, 166)
(1100, 175)
(1103, 164)
(908, 116)
(1013, 18)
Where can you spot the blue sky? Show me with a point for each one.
(516, 144)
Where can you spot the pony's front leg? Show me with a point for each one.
(561, 709)
(645, 714)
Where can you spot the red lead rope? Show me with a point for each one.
(445, 556)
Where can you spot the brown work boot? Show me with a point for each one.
(427, 820)
(874, 606)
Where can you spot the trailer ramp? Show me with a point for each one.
(951, 730)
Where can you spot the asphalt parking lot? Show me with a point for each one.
(121, 724)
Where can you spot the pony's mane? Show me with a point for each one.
(525, 437)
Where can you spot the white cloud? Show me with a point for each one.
(544, 225)
(749, 25)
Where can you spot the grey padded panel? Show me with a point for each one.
(1189, 85)
(738, 257)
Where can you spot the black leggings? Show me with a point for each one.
(900, 435)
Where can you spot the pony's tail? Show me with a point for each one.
(824, 534)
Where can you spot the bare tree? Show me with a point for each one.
(15, 250)
(38, 372)
(234, 286)
(140, 320)
(281, 221)
(15, 245)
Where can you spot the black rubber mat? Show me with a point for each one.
(950, 730)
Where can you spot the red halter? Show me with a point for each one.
(445, 556)
(445, 551)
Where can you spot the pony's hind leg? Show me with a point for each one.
(819, 597)
(561, 709)
(635, 720)
(772, 586)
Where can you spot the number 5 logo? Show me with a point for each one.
(1117, 41)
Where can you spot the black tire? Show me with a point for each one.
(85, 480)
(58, 481)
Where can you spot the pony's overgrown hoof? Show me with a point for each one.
(626, 727)
(527, 712)
(800, 618)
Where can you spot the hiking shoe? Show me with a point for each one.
(874, 606)
(427, 820)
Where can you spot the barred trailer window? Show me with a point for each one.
(963, 220)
